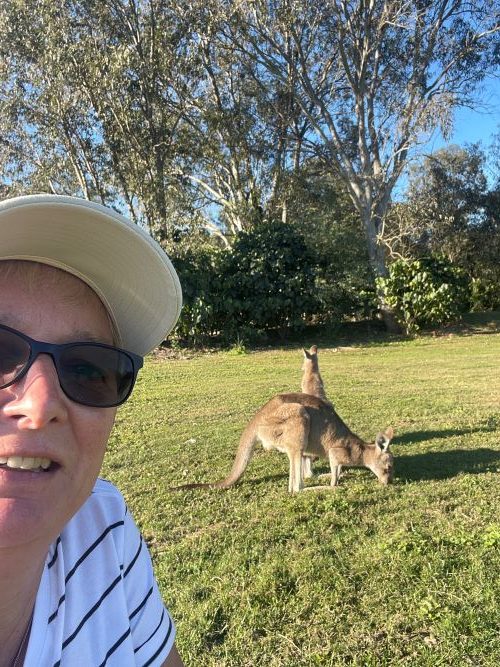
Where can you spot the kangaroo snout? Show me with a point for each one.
(386, 476)
(383, 466)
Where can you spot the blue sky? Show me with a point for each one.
(470, 126)
(475, 125)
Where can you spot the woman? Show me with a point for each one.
(85, 295)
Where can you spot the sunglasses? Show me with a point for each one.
(93, 374)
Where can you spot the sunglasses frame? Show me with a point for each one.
(54, 350)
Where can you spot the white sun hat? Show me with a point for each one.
(128, 270)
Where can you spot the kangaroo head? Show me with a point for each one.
(383, 463)
(310, 357)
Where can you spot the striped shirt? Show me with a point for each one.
(98, 602)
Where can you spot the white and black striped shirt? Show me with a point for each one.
(98, 602)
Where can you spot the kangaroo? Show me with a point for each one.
(312, 384)
(301, 424)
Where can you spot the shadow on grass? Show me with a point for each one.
(265, 479)
(423, 436)
(365, 333)
(372, 332)
(446, 464)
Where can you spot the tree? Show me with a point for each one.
(459, 214)
(451, 211)
(445, 199)
(249, 134)
(372, 78)
(145, 106)
(320, 207)
(86, 102)
(451, 185)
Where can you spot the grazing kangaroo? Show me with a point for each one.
(301, 424)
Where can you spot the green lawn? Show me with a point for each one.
(362, 575)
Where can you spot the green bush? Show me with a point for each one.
(485, 295)
(425, 293)
(265, 282)
(203, 310)
(269, 279)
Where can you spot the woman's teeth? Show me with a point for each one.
(25, 462)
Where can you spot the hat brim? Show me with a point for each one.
(127, 269)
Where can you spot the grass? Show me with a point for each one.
(363, 575)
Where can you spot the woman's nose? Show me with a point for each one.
(37, 398)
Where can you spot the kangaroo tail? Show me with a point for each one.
(241, 460)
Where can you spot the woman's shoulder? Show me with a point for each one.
(104, 489)
(103, 520)
(105, 497)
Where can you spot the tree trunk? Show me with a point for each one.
(376, 254)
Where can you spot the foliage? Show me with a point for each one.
(482, 250)
(449, 190)
(485, 295)
(372, 79)
(202, 114)
(140, 105)
(172, 110)
(265, 282)
(270, 278)
(199, 270)
(451, 210)
(364, 575)
(319, 206)
(425, 292)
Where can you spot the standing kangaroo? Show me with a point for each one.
(301, 424)
(312, 384)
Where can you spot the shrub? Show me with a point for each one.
(269, 278)
(485, 294)
(199, 271)
(426, 292)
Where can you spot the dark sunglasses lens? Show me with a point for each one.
(14, 356)
(96, 376)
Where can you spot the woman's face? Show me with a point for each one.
(37, 420)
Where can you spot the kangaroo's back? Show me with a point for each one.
(326, 427)
(328, 436)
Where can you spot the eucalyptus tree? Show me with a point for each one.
(447, 196)
(144, 105)
(452, 183)
(459, 211)
(46, 131)
(247, 136)
(90, 95)
(373, 77)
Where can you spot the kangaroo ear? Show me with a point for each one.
(383, 440)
